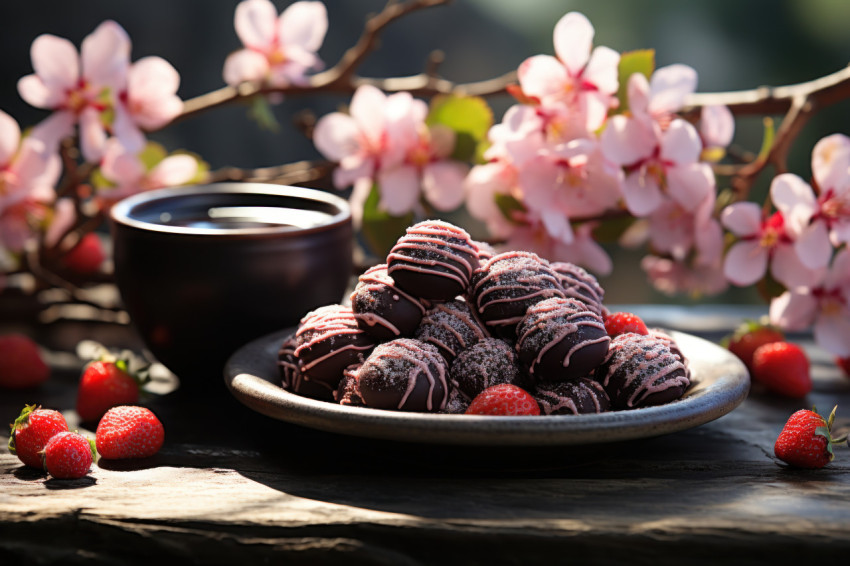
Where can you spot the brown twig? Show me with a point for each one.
(289, 174)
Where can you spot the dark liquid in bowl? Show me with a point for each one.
(237, 217)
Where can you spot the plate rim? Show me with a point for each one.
(721, 394)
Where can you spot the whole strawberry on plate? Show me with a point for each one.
(31, 432)
(68, 455)
(749, 336)
(129, 432)
(806, 440)
(783, 368)
(105, 384)
(21, 365)
(505, 400)
(617, 323)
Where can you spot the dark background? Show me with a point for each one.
(732, 45)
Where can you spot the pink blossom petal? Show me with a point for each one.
(717, 125)
(367, 109)
(626, 142)
(839, 274)
(442, 184)
(255, 22)
(151, 82)
(601, 70)
(585, 251)
(745, 263)
(482, 184)
(245, 65)
(641, 193)
(539, 181)
(742, 218)
(573, 38)
(542, 76)
(353, 169)
(92, 135)
(793, 310)
(357, 200)
(172, 171)
(10, 137)
(669, 86)
(709, 243)
(595, 105)
(680, 143)
(787, 268)
(54, 129)
(121, 166)
(832, 333)
(813, 247)
(335, 136)
(33, 90)
(56, 62)
(126, 130)
(399, 190)
(105, 55)
(64, 214)
(557, 226)
(638, 93)
(840, 233)
(830, 162)
(35, 166)
(795, 199)
(304, 24)
(690, 184)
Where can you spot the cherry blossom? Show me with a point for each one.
(533, 236)
(130, 175)
(762, 241)
(831, 172)
(717, 128)
(825, 304)
(657, 99)
(581, 78)
(809, 229)
(483, 185)
(278, 49)
(77, 87)
(676, 231)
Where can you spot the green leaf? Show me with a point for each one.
(152, 154)
(261, 113)
(98, 181)
(509, 206)
(380, 229)
(631, 62)
(768, 138)
(470, 117)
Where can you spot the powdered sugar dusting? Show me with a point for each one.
(452, 327)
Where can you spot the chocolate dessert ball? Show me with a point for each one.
(433, 260)
(579, 284)
(457, 403)
(348, 392)
(485, 251)
(575, 397)
(405, 374)
(640, 371)
(674, 347)
(328, 341)
(507, 284)
(451, 327)
(381, 308)
(561, 339)
(489, 362)
(293, 380)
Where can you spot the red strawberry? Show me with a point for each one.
(622, 322)
(806, 440)
(503, 399)
(844, 364)
(103, 385)
(32, 430)
(68, 455)
(129, 432)
(782, 367)
(21, 365)
(87, 256)
(748, 337)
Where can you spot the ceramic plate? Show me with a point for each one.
(720, 383)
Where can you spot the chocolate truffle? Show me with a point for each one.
(433, 260)
(579, 284)
(348, 392)
(674, 347)
(457, 403)
(640, 371)
(293, 379)
(451, 327)
(561, 339)
(405, 374)
(485, 251)
(328, 341)
(382, 309)
(489, 362)
(575, 397)
(507, 284)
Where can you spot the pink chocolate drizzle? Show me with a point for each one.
(420, 358)
(375, 281)
(327, 324)
(447, 324)
(433, 237)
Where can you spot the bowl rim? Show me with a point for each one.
(120, 213)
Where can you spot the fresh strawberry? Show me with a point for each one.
(129, 432)
(32, 430)
(87, 256)
(617, 323)
(748, 337)
(782, 367)
(503, 399)
(21, 365)
(806, 440)
(68, 455)
(844, 364)
(103, 385)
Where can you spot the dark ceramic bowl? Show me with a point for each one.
(204, 269)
